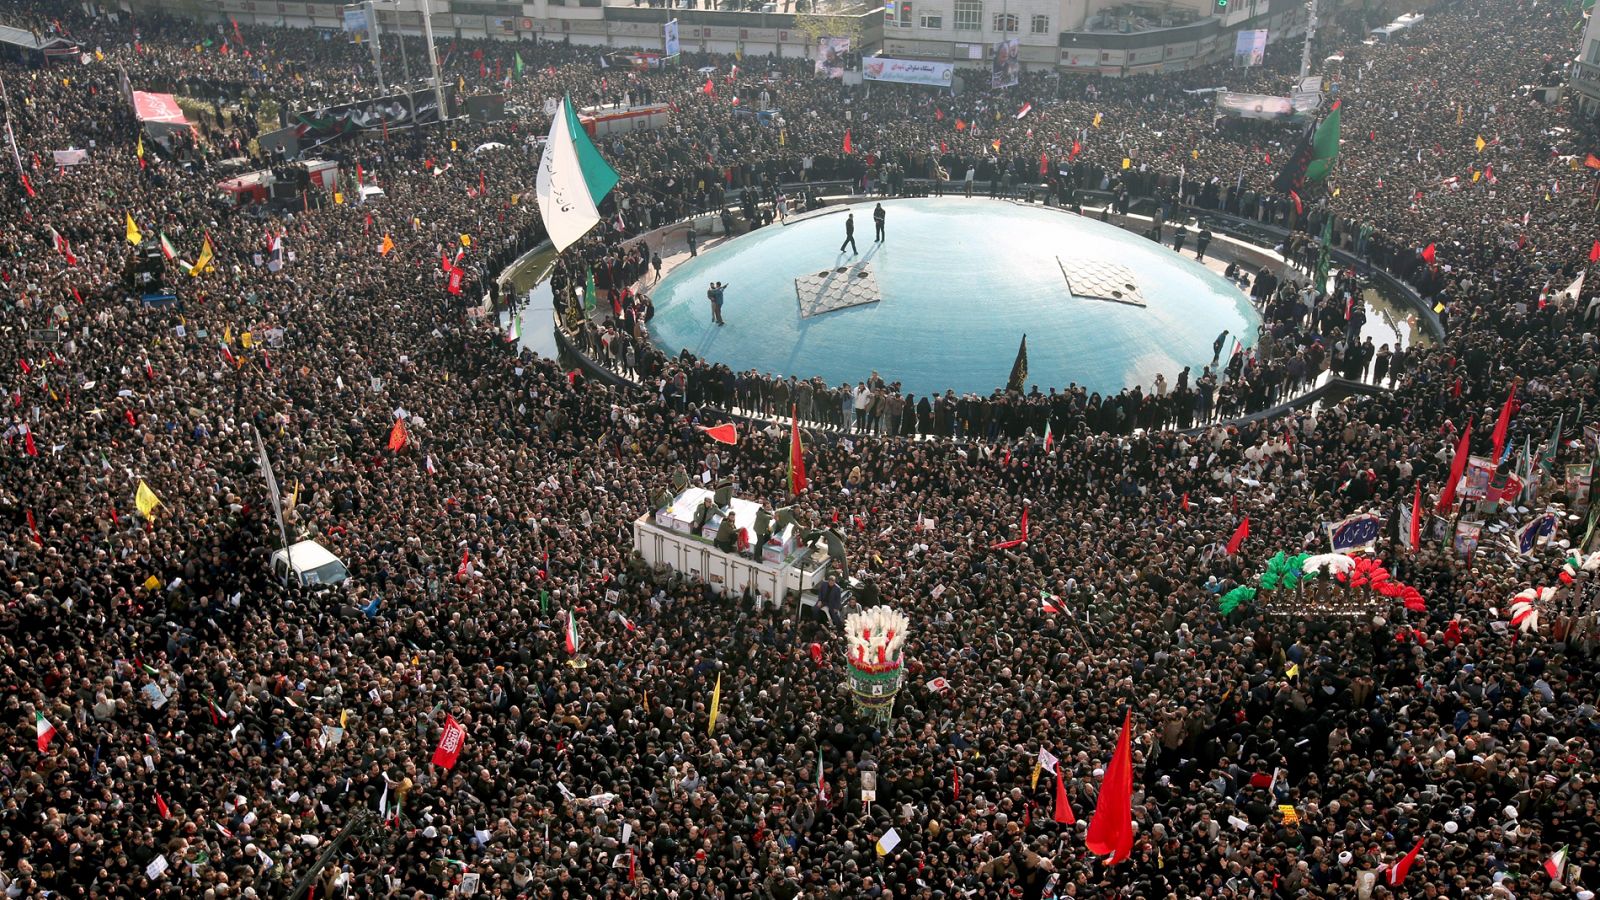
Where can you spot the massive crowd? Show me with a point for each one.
(207, 718)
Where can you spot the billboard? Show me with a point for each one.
(355, 22)
(669, 38)
(1007, 66)
(1263, 106)
(1250, 48)
(831, 53)
(325, 123)
(908, 71)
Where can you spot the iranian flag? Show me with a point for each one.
(1556, 865)
(573, 179)
(47, 732)
(573, 641)
(822, 782)
(1049, 438)
(62, 247)
(167, 249)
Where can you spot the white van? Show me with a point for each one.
(308, 564)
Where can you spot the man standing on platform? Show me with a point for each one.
(1201, 242)
(877, 222)
(849, 234)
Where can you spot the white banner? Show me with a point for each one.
(1264, 106)
(908, 71)
(669, 41)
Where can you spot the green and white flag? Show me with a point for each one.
(573, 179)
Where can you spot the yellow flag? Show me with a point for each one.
(452, 146)
(1458, 114)
(203, 260)
(1034, 785)
(644, 697)
(227, 334)
(294, 498)
(98, 56)
(138, 149)
(1194, 154)
(146, 500)
(1475, 176)
(246, 339)
(1097, 120)
(515, 198)
(1293, 671)
(338, 198)
(152, 583)
(716, 701)
(461, 85)
(344, 717)
(1480, 143)
(466, 240)
(134, 236)
(1438, 307)
(1127, 163)
(386, 246)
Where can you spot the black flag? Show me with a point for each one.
(1019, 368)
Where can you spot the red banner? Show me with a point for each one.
(161, 108)
(450, 743)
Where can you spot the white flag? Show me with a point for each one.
(573, 179)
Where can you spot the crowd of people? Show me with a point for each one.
(180, 723)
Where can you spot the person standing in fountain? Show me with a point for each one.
(849, 234)
(877, 222)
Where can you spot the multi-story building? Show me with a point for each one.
(1110, 37)
(1585, 82)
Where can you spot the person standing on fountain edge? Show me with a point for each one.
(849, 234)
(877, 222)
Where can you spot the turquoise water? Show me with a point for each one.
(962, 280)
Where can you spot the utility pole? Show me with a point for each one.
(1311, 32)
(433, 60)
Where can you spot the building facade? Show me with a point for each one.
(1585, 80)
(1108, 37)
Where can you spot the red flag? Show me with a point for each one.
(450, 743)
(161, 807)
(1076, 149)
(1015, 541)
(1044, 164)
(1239, 534)
(1594, 252)
(1429, 254)
(938, 116)
(464, 569)
(1185, 501)
(797, 458)
(1064, 814)
(848, 148)
(35, 529)
(955, 780)
(960, 125)
(710, 89)
(1397, 872)
(454, 284)
(27, 443)
(1592, 161)
(1502, 424)
(397, 436)
(1447, 497)
(723, 434)
(1416, 519)
(1111, 828)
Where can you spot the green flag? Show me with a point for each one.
(516, 64)
(1324, 146)
(589, 292)
(1320, 279)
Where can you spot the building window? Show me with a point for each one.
(932, 20)
(897, 13)
(1041, 24)
(1594, 53)
(1005, 22)
(905, 14)
(969, 15)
